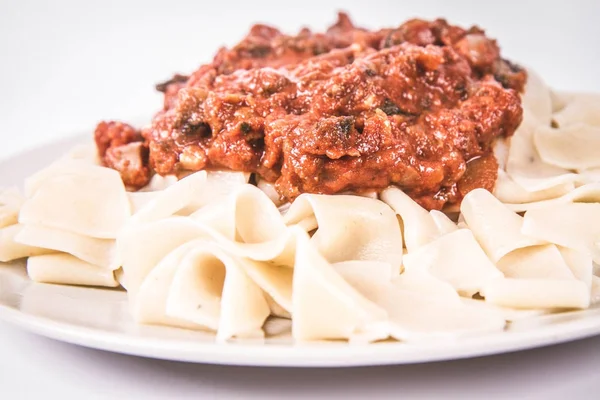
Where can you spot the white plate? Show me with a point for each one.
(98, 318)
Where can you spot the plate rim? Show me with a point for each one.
(302, 354)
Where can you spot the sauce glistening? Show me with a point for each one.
(418, 106)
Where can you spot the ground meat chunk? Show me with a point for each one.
(122, 148)
(131, 162)
(349, 109)
(112, 134)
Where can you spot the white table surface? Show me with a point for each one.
(64, 65)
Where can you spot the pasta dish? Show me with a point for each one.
(406, 183)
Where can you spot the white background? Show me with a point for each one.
(64, 65)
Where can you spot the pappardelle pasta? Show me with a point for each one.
(211, 251)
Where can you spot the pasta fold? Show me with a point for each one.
(93, 205)
(467, 270)
(66, 269)
(496, 228)
(350, 228)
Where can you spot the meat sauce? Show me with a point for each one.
(418, 106)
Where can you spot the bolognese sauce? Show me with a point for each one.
(418, 106)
